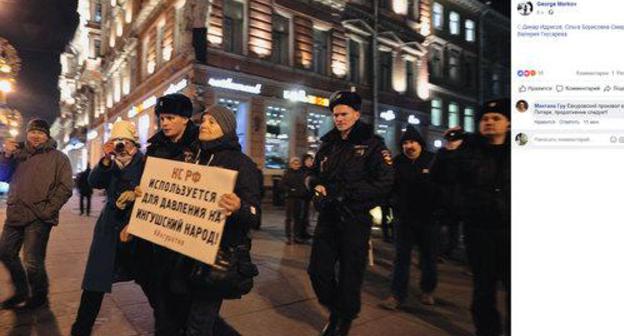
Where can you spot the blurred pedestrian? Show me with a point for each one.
(293, 185)
(85, 191)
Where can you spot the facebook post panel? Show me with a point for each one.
(567, 158)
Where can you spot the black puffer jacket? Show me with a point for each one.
(358, 169)
(226, 153)
(482, 176)
(293, 183)
(414, 192)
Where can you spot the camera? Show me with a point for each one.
(455, 135)
(120, 146)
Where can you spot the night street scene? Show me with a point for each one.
(255, 167)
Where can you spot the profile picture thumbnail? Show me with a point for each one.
(525, 8)
(522, 105)
(522, 139)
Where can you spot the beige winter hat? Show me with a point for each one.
(124, 129)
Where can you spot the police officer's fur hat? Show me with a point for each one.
(348, 98)
(175, 103)
(500, 106)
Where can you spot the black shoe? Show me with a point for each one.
(33, 303)
(306, 235)
(13, 301)
(330, 327)
(342, 327)
(300, 241)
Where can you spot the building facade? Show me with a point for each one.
(274, 63)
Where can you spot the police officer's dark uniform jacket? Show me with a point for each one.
(357, 173)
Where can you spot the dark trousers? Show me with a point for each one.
(451, 225)
(90, 304)
(204, 319)
(345, 243)
(34, 238)
(82, 208)
(294, 224)
(489, 254)
(411, 233)
(306, 217)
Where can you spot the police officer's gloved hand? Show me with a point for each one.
(320, 201)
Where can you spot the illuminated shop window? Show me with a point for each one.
(277, 137)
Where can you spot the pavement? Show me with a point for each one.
(281, 303)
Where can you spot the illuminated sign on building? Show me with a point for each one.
(302, 96)
(177, 87)
(387, 115)
(413, 120)
(228, 83)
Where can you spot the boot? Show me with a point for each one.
(13, 301)
(330, 327)
(342, 327)
(34, 302)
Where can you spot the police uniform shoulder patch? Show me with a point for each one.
(387, 156)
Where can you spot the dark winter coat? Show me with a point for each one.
(104, 265)
(481, 193)
(357, 169)
(40, 182)
(227, 154)
(82, 183)
(293, 184)
(414, 191)
(152, 260)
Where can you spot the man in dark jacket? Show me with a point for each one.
(85, 190)
(482, 169)
(413, 200)
(352, 174)
(35, 198)
(176, 140)
(293, 184)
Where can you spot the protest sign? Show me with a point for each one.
(179, 207)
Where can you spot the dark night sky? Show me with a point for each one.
(39, 30)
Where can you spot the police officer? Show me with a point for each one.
(482, 170)
(352, 174)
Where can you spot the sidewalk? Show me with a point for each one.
(281, 303)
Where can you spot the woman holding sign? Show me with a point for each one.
(118, 172)
(204, 287)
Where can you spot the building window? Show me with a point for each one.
(97, 17)
(233, 26)
(97, 45)
(438, 16)
(321, 40)
(318, 125)
(454, 67)
(409, 77)
(469, 125)
(277, 137)
(385, 71)
(413, 9)
(436, 112)
(454, 23)
(280, 37)
(495, 84)
(470, 30)
(453, 115)
(436, 65)
(469, 79)
(354, 61)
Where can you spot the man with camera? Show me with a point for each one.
(414, 202)
(479, 165)
(352, 174)
(40, 179)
